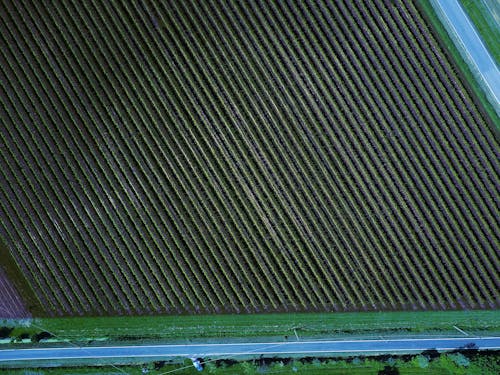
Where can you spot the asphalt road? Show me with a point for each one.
(276, 348)
(476, 50)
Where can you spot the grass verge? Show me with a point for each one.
(284, 326)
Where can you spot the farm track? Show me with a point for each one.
(211, 157)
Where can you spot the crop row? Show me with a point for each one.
(267, 157)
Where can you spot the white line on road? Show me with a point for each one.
(276, 343)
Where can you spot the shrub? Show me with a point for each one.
(420, 361)
(5, 332)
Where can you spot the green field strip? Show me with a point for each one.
(484, 21)
(447, 363)
(272, 325)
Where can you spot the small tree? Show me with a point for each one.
(420, 361)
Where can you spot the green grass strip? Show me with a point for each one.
(265, 325)
(452, 51)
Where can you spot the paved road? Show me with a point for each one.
(474, 46)
(282, 348)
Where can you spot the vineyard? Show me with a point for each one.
(224, 156)
(11, 303)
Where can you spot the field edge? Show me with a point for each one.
(464, 71)
(284, 326)
(19, 282)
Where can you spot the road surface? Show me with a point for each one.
(462, 27)
(271, 348)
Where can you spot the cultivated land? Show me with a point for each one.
(11, 302)
(269, 157)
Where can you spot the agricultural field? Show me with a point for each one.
(11, 302)
(199, 157)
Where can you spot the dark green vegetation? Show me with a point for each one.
(430, 363)
(206, 327)
(208, 157)
(482, 13)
